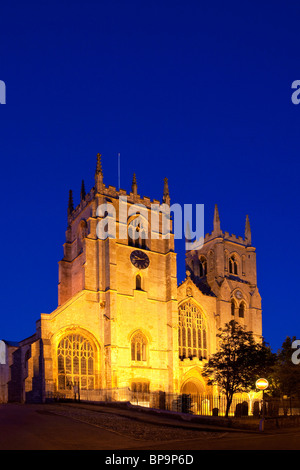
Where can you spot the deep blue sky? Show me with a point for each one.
(196, 91)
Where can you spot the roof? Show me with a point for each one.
(10, 343)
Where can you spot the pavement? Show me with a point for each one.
(82, 426)
(172, 419)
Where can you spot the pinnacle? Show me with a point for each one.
(99, 165)
(134, 184)
(71, 204)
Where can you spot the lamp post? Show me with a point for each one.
(262, 384)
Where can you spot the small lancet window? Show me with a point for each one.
(233, 265)
(242, 310)
(202, 267)
(232, 307)
(138, 282)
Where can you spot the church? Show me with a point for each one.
(122, 320)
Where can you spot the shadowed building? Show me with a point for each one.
(122, 319)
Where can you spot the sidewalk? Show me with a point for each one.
(170, 418)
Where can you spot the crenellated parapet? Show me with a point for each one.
(226, 236)
(218, 233)
(111, 193)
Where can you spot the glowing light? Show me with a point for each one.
(262, 384)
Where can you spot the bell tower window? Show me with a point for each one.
(233, 265)
(202, 266)
(242, 310)
(137, 232)
(232, 307)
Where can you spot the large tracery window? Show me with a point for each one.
(191, 332)
(76, 363)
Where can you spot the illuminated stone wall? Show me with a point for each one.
(117, 323)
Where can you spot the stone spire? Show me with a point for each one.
(134, 184)
(70, 205)
(247, 231)
(82, 192)
(217, 224)
(99, 174)
(99, 164)
(166, 196)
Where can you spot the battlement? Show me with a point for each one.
(218, 233)
(111, 192)
(226, 236)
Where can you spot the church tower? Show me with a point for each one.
(225, 267)
(116, 295)
(122, 322)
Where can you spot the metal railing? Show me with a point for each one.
(205, 405)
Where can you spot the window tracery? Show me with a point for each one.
(76, 363)
(138, 233)
(192, 331)
(233, 265)
(138, 347)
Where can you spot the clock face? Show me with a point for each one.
(238, 294)
(139, 259)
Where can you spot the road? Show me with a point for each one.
(284, 440)
(39, 427)
(29, 427)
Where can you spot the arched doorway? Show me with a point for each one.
(200, 402)
(190, 387)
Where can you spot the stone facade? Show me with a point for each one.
(122, 320)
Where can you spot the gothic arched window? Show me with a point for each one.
(138, 282)
(81, 234)
(232, 307)
(138, 232)
(242, 310)
(192, 331)
(76, 363)
(202, 266)
(138, 347)
(233, 265)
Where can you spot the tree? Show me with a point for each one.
(286, 374)
(239, 361)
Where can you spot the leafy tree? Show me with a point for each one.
(286, 374)
(239, 362)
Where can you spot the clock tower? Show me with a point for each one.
(125, 266)
(122, 321)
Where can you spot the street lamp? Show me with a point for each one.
(262, 384)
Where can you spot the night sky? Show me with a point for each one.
(199, 92)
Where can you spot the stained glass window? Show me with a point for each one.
(75, 359)
(192, 331)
